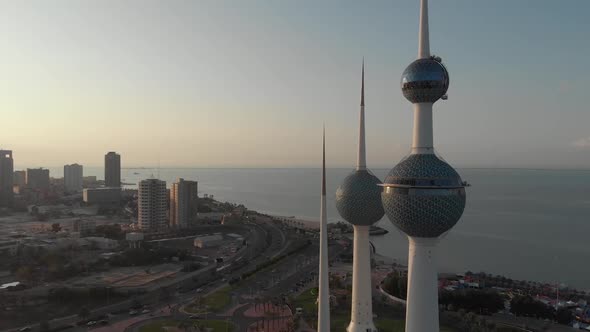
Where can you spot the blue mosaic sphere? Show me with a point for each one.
(423, 196)
(358, 199)
(425, 81)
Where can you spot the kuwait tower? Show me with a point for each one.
(423, 196)
(358, 201)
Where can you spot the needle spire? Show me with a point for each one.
(361, 164)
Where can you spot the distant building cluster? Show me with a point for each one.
(157, 208)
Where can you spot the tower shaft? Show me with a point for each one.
(422, 140)
(324, 290)
(422, 297)
(361, 319)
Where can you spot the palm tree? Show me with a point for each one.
(84, 312)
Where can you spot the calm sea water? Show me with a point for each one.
(525, 224)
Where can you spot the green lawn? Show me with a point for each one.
(340, 323)
(339, 320)
(216, 325)
(307, 301)
(215, 302)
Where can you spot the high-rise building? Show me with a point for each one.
(112, 169)
(323, 275)
(19, 178)
(38, 178)
(6, 169)
(423, 196)
(152, 204)
(73, 177)
(183, 203)
(358, 201)
(106, 197)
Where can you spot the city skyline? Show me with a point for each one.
(173, 71)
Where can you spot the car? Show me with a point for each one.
(195, 317)
(104, 322)
(200, 289)
(26, 328)
(133, 312)
(145, 311)
(91, 323)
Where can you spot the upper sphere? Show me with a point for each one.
(358, 199)
(425, 81)
(423, 196)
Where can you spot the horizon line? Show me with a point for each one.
(318, 167)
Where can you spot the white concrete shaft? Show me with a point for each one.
(324, 286)
(324, 291)
(361, 319)
(423, 38)
(422, 140)
(422, 297)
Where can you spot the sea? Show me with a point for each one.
(520, 223)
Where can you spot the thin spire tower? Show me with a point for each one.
(362, 160)
(324, 286)
(358, 200)
(424, 37)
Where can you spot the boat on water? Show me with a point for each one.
(376, 230)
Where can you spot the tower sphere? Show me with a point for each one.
(425, 81)
(423, 196)
(358, 199)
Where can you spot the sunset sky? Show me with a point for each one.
(250, 83)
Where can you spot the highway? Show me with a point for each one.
(266, 240)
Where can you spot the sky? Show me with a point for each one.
(250, 83)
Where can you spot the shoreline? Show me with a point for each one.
(314, 225)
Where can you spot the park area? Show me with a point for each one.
(213, 302)
(340, 318)
(169, 325)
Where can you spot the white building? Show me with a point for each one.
(208, 241)
(107, 196)
(183, 203)
(102, 243)
(134, 239)
(152, 204)
(37, 178)
(8, 246)
(83, 227)
(73, 177)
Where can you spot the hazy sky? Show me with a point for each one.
(249, 83)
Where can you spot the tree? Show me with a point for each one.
(135, 304)
(55, 227)
(396, 285)
(24, 273)
(527, 306)
(564, 316)
(84, 312)
(110, 231)
(164, 294)
(482, 301)
(44, 326)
